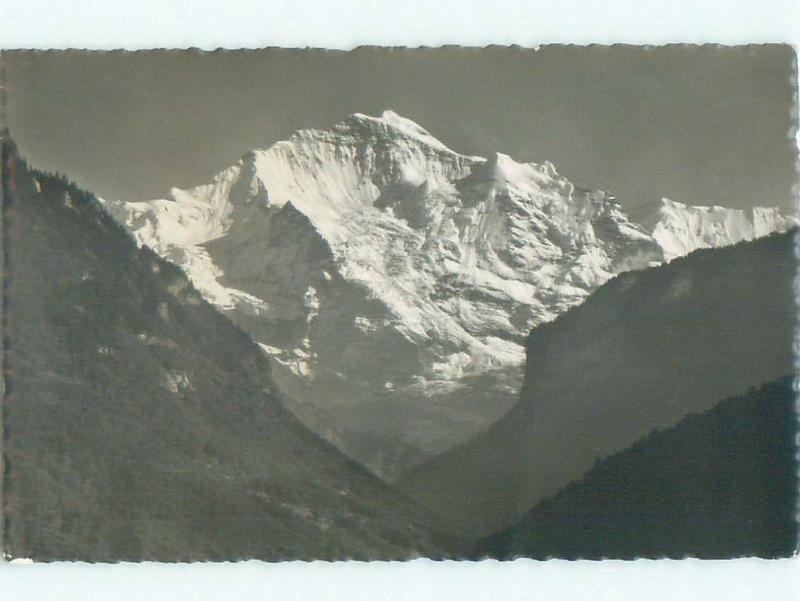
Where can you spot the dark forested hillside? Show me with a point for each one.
(141, 424)
(718, 485)
(642, 352)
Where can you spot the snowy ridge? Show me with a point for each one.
(681, 229)
(387, 275)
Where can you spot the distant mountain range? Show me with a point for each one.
(680, 229)
(391, 281)
(643, 351)
(140, 424)
(721, 484)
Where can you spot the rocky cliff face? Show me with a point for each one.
(391, 280)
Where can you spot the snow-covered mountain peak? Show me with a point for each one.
(390, 124)
(390, 129)
(377, 266)
(360, 162)
(505, 173)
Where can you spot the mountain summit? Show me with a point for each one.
(390, 280)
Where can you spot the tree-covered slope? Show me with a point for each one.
(720, 484)
(141, 424)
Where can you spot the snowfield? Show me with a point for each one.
(392, 281)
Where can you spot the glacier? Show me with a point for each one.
(392, 281)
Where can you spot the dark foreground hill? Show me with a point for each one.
(141, 424)
(718, 485)
(642, 352)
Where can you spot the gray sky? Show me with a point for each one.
(705, 125)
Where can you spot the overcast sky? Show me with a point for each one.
(704, 125)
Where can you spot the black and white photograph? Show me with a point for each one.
(391, 303)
